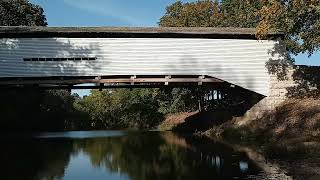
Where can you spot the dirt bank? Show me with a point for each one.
(294, 121)
(195, 122)
(173, 120)
(288, 136)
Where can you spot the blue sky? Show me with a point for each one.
(117, 13)
(103, 12)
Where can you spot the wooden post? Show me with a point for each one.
(199, 101)
(70, 88)
(132, 78)
(200, 97)
(201, 78)
(167, 78)
(101, 86)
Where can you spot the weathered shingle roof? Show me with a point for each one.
(138, 32)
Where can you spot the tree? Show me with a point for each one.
(195, 14)
(208, 13)
(299, 19)
(21, 13)
(240, 13)
(121, 108)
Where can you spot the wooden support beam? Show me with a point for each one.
(101, 86)
(201, 78)
(113, 86)
(130, 80)
(201, 100)
(167, 82)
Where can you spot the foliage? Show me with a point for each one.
(121, 108)
(240, 13)
(174, 100)
(21, 13)
(228, 13)
(136, 108)
(202, 13)
(299, 19)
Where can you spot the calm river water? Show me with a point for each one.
(113, 155)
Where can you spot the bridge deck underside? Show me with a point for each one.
(101, 82)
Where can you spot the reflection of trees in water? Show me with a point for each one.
(134, 155)
(137, 155)
(34, 159)
(143, 156)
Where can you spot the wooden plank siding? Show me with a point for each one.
(237, 61)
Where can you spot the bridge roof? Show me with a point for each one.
(132, 32)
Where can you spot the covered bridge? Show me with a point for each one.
(75, 55)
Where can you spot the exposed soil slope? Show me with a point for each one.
(295, 120)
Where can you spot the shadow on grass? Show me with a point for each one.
(203, 121)
(235, 104)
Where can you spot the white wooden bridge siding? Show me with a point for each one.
(238, 61)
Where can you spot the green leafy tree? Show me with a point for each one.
(121, 108)
(299, 19)
(21, 13)
(195, 14)
(208, 13)
(178, 100)
(240, 13)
